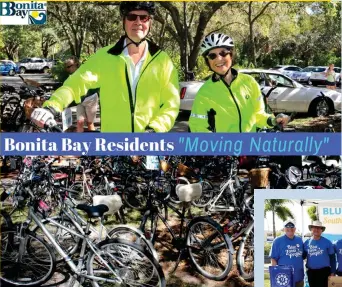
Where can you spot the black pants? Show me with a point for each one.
(319, 277)
(338, 273)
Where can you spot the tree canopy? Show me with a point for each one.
(265, 33)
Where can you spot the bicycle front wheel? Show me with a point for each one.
(129, 265)
(210, 250)
(245, 256)
(26, 263)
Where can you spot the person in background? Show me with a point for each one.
(86, 110)
(320, 256)
(330, 74)
(338, 252)
(288, 250)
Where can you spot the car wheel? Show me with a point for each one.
(321, 108)
(22, 70)
(11, 72)
(45, 70)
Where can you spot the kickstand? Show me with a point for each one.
(180, 257)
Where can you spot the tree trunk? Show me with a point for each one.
(274, 228)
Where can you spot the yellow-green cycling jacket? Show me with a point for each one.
(238, 107)
(157, 91)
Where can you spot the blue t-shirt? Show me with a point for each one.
(288, 251)
(338, 251)
(318, 252)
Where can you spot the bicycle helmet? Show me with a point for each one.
(216, 40)
(128, 6)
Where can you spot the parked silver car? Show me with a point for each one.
(304, 75)
(287, 70)
(33, 64)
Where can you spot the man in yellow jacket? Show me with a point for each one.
(138, 82)
(229, 101)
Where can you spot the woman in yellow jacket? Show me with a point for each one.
(138, 82)
(229, 101)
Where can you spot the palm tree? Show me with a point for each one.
(277, 207)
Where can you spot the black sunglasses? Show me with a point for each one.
(213, 56)
(134, 17)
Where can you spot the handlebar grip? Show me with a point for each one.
(57, 129)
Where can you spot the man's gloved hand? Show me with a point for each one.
(149, 130)
(42, 117)
(281, 120)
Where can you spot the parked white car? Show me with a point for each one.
(34, 64)
(288, 97)
(304, 75)
(318, 76)
(287, 70)
(188, 91)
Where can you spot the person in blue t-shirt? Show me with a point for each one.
(320, 256)
(338, 251)
(288, 250)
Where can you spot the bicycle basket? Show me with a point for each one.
(259, 177)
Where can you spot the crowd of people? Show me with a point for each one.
(320, 256)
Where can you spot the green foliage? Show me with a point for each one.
(267, 248)
(278, 208)
(300, 33)
(312, 213)
(58, 72)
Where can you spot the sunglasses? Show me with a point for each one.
(68, 67)
(134, 17)
(213, 56)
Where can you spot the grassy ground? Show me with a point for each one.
(309, 124)
(267, 280)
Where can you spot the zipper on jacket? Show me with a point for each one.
(136, 87)
(236, 104)
(130, 98)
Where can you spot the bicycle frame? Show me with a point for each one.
(83, 235)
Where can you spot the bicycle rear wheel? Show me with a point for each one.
(36, 265)
(133, 235)
(209, 248)
(132, 265)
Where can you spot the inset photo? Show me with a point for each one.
(302, 242)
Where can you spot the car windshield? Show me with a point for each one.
(279, 79)
(319, 69)
(308, 69)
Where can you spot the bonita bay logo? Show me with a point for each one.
(23, 13)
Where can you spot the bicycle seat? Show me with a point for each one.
(93, 211)
(189, 192)
(113, 202)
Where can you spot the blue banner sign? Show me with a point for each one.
(170, 144)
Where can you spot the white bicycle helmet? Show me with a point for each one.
(216, 40)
